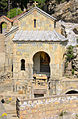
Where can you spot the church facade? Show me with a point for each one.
(34, 54)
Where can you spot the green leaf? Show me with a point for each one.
(14, 12)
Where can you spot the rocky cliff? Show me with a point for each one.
(67, 11)
(75, 61)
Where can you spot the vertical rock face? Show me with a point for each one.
(2, 52)
(75, 61)
(67, 11)
(71, 32)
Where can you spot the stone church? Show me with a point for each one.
(34, 54)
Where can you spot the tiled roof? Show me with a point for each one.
(38, 36)
(7, 18)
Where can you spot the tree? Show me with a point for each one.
(14, 12)
(59, 1)
(19, 3)
(41, 3)
(69, 58)
(3, 6)
(69, 54)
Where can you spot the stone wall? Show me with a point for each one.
(63, 85)
(42, 21)
(2, 53)
(6, 83)
(48, 108)
(6, 20)
(27, 50)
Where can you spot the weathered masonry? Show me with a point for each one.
(48, 108)
(34, 55)
(37, 51)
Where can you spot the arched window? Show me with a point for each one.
(22, 64)
(12, 67)
(34, 23)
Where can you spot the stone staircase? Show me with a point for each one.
(11, 111)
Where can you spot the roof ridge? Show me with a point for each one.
(39, 10)
(11, 31)
(42, 36)
(7, 18)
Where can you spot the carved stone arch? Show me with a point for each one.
(41, 63)
(6, 20)
(40, 51)
(71, 91)
(1, 27)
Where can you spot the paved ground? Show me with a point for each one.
(10, 109)
(2, 111)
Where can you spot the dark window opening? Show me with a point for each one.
(72, 92)
(38, 95)
(3, 28)
(34, 23)
(44, 62)
(22, 64)
(55, 24)
(12, 67)
(3, 101)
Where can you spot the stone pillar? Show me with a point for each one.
(30, 71)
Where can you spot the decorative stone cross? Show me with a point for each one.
(35, 3)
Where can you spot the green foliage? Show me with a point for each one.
(76, 116)
(62, 113)
(66, 65)
(59, 1)
(41, 3)
(77, 40)
(69, 57)
(69, 54)
(4, 25)
(19, 3)
(73, 71)
(14, 12)
(3, 6)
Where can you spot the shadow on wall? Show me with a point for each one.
(3, 27)
(72, 92)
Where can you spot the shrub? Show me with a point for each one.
(63, 113)
(73, 71)
(40, 3)
(69, 54)
(76, 116)
(14, 12)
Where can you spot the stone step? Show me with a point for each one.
(12, 116)
(11, 111)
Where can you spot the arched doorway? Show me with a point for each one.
(3, 27)
(72, 92)
(41, 63)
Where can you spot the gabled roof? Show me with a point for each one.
(10, 20)
(12, 30)
(39, 10)
(38, 36)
